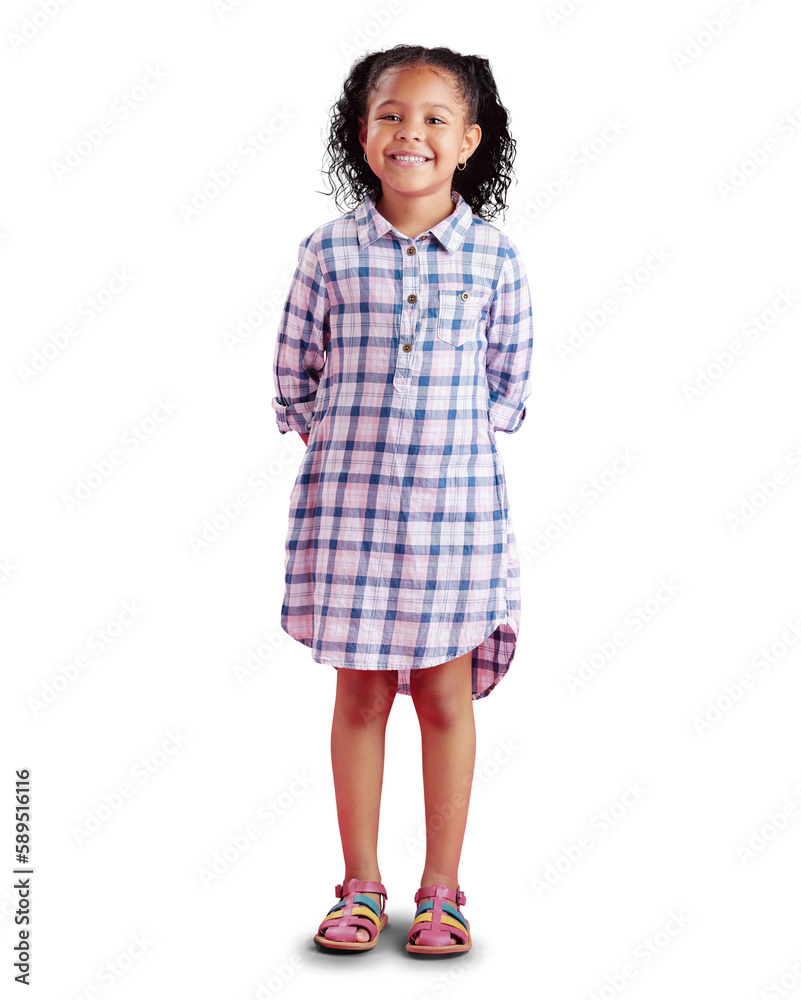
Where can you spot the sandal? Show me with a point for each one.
(353, 911)
(440, 918)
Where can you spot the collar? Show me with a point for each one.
(370, 224)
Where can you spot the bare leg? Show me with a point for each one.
(361, 710)
(442, 697)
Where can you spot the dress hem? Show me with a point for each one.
(468, 647)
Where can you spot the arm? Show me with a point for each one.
(509, 346)
(300, 344)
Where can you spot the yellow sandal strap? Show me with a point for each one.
(444, 919)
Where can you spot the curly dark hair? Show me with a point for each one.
(484, 182)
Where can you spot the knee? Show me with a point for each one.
(443, 695)
(368, 703)
(440, 709)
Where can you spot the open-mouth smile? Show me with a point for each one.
(409, 159)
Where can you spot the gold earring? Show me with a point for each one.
(461, 166)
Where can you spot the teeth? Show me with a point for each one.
(409, 159)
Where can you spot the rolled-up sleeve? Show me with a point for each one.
(301, 343)
(510, 344)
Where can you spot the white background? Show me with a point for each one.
(697, 106)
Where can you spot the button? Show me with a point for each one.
(411, 251)
(422, 238)
(465, 296)
(411, 298)
(407, 347)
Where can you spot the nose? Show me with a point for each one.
(408, 130)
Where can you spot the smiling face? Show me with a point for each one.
(415, 133)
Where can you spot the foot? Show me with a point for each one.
(361, 933)
(454, 939)
(451, 885)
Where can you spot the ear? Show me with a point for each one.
(362, 132)
(472, 138)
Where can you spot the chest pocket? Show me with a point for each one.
(458, 315)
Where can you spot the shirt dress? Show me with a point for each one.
(401, 357)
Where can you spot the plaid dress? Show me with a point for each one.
(401, 358)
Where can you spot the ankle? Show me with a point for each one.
(362, 875)
(431, 878)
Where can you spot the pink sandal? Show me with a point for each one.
(438, 917)
(354, 910)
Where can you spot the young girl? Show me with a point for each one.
(404, 345)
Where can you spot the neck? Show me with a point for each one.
(414, 215)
